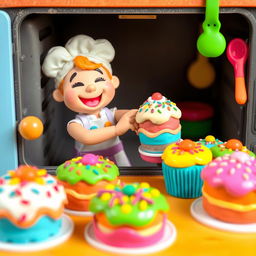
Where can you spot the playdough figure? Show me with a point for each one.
(85, 83)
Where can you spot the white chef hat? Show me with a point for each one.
(59, 60)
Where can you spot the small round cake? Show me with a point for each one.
(83, 176)
(182, 165)
(31, 205)
(159, 125)
(230, 147)
(210, 141)
(229, 188)
(132, 215)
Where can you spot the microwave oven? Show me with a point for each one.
(154, 41)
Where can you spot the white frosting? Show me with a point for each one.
(34, 193)
(157, 111)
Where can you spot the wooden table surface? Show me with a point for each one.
(192, 237)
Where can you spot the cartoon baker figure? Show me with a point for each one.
(84, 81)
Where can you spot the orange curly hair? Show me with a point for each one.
(85, 64)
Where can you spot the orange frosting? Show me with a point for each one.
(221, 194)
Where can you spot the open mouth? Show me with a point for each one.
(91, 102)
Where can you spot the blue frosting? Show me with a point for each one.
(209, 145)
(162, 139)
(44, 228)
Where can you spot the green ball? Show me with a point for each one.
(129, 190)
(211, 44)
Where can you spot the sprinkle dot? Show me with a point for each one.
(105, 196)
(155, 192)
(219, 171)
(147, 195)
(12, 194)
(232, 171)
(247, 169)
(143, 205)
(144, 185)
(35, 191)
(95, 172)
(246, 176)
(125, 199)
(126, 208)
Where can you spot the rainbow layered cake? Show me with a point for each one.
(129, 216)
(229, 191)
(229, 147)
(31, 205)
(159, 126)
(83, 176)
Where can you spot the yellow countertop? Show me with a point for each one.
(192, 237)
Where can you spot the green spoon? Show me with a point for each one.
(211, 43)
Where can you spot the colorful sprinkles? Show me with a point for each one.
(236, 173)
(157, 106)
(129, 195)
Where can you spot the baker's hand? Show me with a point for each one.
(126, 122)
(134, 125)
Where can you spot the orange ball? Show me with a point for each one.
(234, 144)
(31, 128)
(187, 145)
(26, 173)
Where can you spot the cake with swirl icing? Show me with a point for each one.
(229, 190)
(159, 126)
(83, 176)
(31, 205)
(131, 216)
(182, 165)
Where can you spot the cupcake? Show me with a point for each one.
(229, 188)
(83, 176)
(210, 141)
(31, 205)
(230, 147)
(159, 126)
(182, 165)
(129, 216)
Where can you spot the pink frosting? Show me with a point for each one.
(128, 237)
(235, 172)
(90, 159)
(172, 123)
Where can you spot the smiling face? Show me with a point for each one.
(87, 91)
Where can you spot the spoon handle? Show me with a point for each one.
(212, 11)
(240, 91)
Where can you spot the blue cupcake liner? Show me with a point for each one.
(183, 182)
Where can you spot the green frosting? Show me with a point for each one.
(218, 151)
(90, 171)
(129, 212)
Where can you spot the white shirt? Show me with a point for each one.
(91, 122)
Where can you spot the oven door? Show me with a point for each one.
(8, 144)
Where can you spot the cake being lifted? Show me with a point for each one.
(159, 126)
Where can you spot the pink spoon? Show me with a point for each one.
(237, 53)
